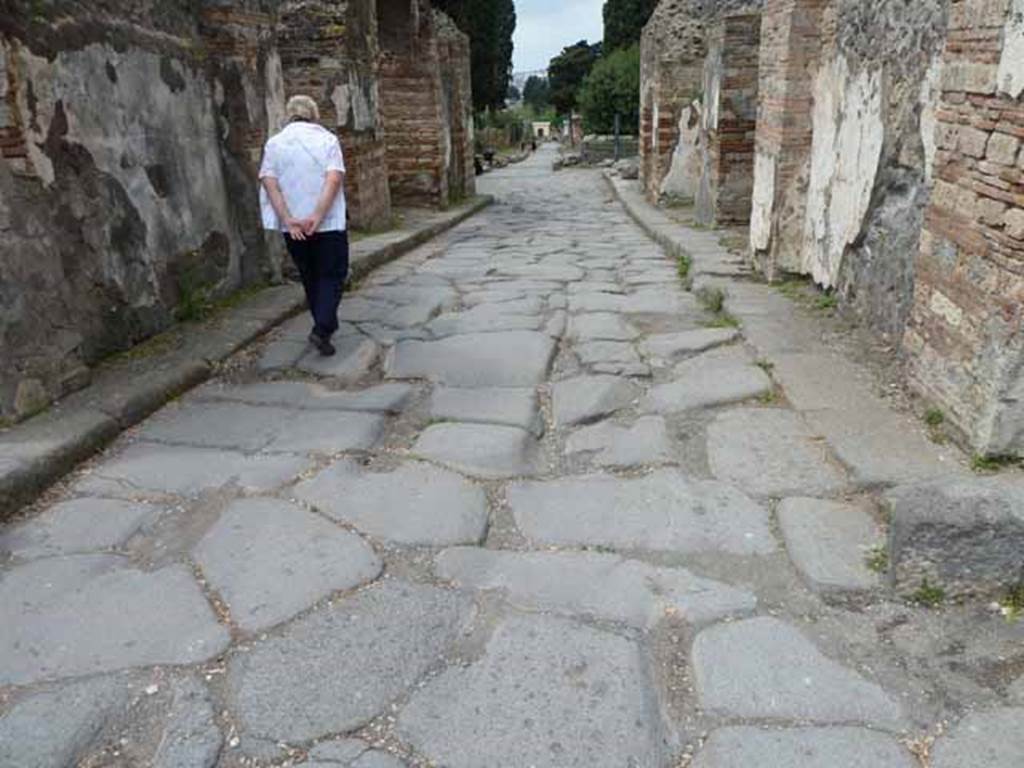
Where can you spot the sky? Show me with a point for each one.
(545, 27)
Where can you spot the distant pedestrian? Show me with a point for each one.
(302, 196)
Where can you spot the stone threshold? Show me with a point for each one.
(124, 391)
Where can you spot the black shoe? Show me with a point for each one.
(323, 346)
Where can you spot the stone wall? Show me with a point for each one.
(328, 50)
(128, 139)
(457, 100)
(131, 133)
(728, 120)
(964, 339)
(673, 49)
(844, 147)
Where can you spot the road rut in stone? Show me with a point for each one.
(542, 509)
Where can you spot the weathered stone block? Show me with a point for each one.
(965, 536)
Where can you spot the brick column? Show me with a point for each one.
(731, 81)
(964, 342)
(790, 49)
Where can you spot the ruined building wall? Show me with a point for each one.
(412, 104)
(328, 50)
(728, 120)
(964, 339)
(457, 102)
(673, 48)
(127, 152)
(844, 146)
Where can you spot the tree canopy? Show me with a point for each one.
(537, 93)
(490, 25)
(624, 20)
(566, 72)
(612, 87)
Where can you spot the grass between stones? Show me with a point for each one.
(713, 300)
(985, 465)
(877, 559)
(929, 595)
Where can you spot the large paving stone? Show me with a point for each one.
(983, 740)
(660, 511)
(668, 346)
(588, 398)
(601, 326)
(771, 452)
(484, 319)
(153, 722)
(646, 441)
(715, 378)
(336, 669)
(86, 614)
(607, 352)
(829, 542)
(270, 560)
(384, 398)
(604, 586)
(217, 425)
(188, 471)
(547, 693)
(506, 359)
(415, 504)
(837, 747)
(488, 405)
(350, 753)
(354, 358)
(965, 535)
(483, 450)
(77, 525)
(766, 669)
(326, 432)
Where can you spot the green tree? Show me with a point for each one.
(490, 25)
(537, 93)
(612, 87)
(567, 71)
(624, 20)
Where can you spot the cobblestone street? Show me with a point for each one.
(546, 507)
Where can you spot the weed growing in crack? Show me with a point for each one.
(877, 559)
(933, 417)
(988, 464)
(827, 302)
(683, 264)
(929, 595)
(713, 299)
(765, 365)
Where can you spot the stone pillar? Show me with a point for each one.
(412, 104)
(963, 341)
(457, 90)
(729, 120)
(329, 51)
(790, 49)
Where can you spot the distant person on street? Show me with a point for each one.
(302, 176)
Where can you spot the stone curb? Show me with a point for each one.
(37, 452)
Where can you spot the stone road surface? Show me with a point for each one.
(543, 509)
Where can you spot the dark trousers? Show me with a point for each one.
(322, 261)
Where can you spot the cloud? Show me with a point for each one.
(545, 27)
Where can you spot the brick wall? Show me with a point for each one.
(964, 340)
(412, 108)
(328, 50)
(790, 50)
(730, 114)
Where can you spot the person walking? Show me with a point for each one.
(301, 195)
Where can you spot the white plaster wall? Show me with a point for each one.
(845, 153)
(931, 92)
(1011, 62)
(683, 178)
(763, 202)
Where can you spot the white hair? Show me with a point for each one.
(302, 108)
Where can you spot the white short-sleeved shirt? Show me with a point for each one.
(299, 157)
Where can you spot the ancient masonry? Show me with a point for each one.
(130, 136)
(882, 160)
